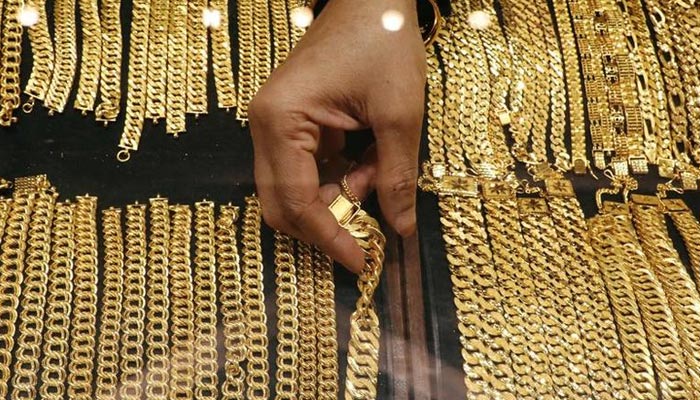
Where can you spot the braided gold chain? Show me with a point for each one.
(307, 323)
(156, 94)
(42, 55)
(682, 294)
(66, 56)
(287, 319)
(257, 368)
(261, 44)
(280, 31)
(83, 324)
(136, 80)
(58, 306)
(231, 302)
(111, 61)
(689, 228)
(615, 268)
(205, 353)
(197, 51)
(246, 54)
(12, 260)
(177, 67)
(10, 60)
(221, 58)
(112, 297)
(157, 337)
(326, 332)
(91, 55)
(33, 300)
(182, 304)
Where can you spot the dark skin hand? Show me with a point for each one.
(348, 73)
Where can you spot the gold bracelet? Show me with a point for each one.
(689, 229)
(31, 318)
(326, 333)
(280, 31)
(10, 61)
(246, 63)
(91, 56)
(287, 319)
(257, 368)
(221, 57)
(42, 56)
(158, 293)
(205, 353)
(156, 94)
(54, 362)
(112, 297)
(182, 306)
(307, 323)
(83, 324)
(261, 44)
(177, 68)
(231, 303)
(682, 294)
(110, 64)
(296, 31)
(66, 56)
(197, 51)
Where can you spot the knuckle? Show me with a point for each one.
(402, 179)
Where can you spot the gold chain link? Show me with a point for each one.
(307, 323)
(287, 319)
(111, 61)
(326, 333)
(261, 44)
(221, 57)
(246, 63)
(10, 60)
(280, 31)
(156, 94)
(91, 55)
(177, 67)
(197, 51)
(42, 56)
(66, 56)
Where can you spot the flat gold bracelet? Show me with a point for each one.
(156, 93)
(107, 386)
(91, 56)
(66, 56)
(221, 57)
(10, 60)
(110, 65)
(54, 362)
(308, 368)
(326, 333)
(205, 353)
(229, 271)
(158, 293)
(197, 53)
(42, 56)
(287, 319)
(177, 68)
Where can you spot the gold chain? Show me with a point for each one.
(682, 294)
(156, 94)
(287, 319)
(136, 81)
(221, 58)
(66, 56)
(326, 333)
(83, 324)
(261, 44)
(615, 268)
(231, 303)
(111, 317)
(10, 60)
(280, 31)
(257, 373)
(58, 306)
(157, 337)
(90, 57)
(296, 31)
(182, 306)
(307, 323)
(111, 61)
(246, 63)
(42, 56)
(177, 67)
(205, 353)
(689, 228)
(31, 319)
(197, 42)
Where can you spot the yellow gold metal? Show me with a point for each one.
(42, 55)
(111, 60)
(308, 368)
(326, 333)
(156, 93)
(177, 67)
(287, 319)
(10, 60)
(90, 57)
(197, 54)
(221, 57)
(66, 56)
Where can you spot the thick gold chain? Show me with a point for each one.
(261, 44)
(296, 31)
(231, 302)
(83, 324)
(246, 63)
(205, 353)
(221, 58)
(157, 336)
(90, 57)
(66, 56)
(682, 294)
(615, 268)
(689, 228)
(307, 323)
(111, 61)
(197, 51)
(280, 31)
(58, 305)
(10, 60)
(42, 55)
(287, 319)
(182, 304)
(156, 95)
(177, 67)
(257, 368)
(112, 297)
(31, 318)
(326, 333)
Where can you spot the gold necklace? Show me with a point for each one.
(246, 64)
(10, 61)
(156, 95)
(158, 293)
(261, 44)
(326, 333)
(287, 319)
(90, 57)
(197, 51)
(307, 323)
(221, 58)
(177, 68)
(111, 59)
(280, 31)
(205, 353)
(42, 56)
(689, 228)
(111, 317)
(66, 57)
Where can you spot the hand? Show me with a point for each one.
(347, 73)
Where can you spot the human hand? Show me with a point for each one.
(347, 73)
